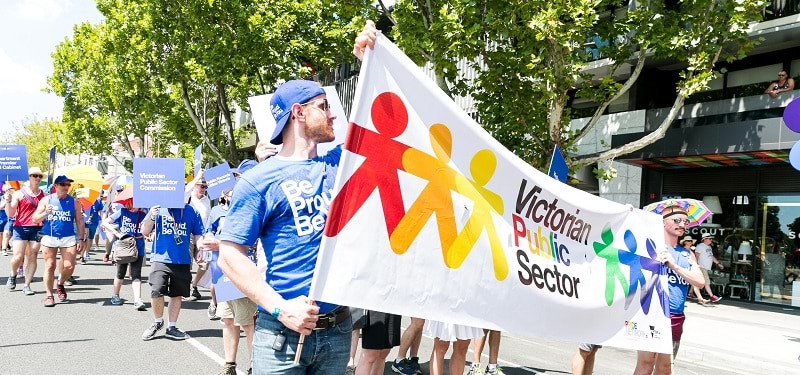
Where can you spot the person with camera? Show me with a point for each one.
(171, 261)
(128, 222)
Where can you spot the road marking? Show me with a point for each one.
(210, 353)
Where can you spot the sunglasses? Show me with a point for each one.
(678, 220)
(64, 184)
(202, 186)
(325, 106)
(37, 175)
(781, 75)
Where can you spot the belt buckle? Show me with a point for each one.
(325, 322)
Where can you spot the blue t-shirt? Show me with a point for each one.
(61, 221)
(216, 219)
(131, 223)
(166, 248)
(285, 204)
(91, 216)
(678, 287)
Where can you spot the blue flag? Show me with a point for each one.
(51, 167)
(558, 166)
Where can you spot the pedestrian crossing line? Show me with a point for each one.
(210, 353)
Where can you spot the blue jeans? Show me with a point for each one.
(325, 352)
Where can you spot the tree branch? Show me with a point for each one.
(222, 100)
(197, 123)
(625, 87)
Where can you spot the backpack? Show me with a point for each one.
(125, 250)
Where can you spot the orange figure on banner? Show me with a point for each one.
(379, 170)
(482, 167)
(435, 198)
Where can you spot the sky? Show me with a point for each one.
(29, 33)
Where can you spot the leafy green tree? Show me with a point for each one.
(211, 55)
(38, 137)
(531, 59)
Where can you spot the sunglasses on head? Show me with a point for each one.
(37, 175)
(678, 220)
(325, 106)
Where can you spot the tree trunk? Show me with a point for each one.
(222, 100)
(197, 123)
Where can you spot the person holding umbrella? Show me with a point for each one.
(682, 271)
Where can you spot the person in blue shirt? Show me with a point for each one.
(91, 219)
(171, 260)
(128, 221)
(266, 206)
(59, 214)
(682, 270)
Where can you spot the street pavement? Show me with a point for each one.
(87, 335)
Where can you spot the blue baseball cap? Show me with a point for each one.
(244, 166)
(62, 179)
(291, 92)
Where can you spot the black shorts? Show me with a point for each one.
(173, 280)
(381, 331)
(136, 269)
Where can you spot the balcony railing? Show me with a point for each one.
(782, 8)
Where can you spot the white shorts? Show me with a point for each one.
(59, 242)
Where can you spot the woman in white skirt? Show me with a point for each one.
(444, 334)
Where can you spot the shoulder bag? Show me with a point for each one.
(125, 250)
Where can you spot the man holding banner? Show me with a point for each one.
(284, 201)
(682, 271)
(25, 231)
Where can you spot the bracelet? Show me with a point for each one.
(276, 312)
(153, 218)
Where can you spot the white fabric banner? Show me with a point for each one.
(436, 219)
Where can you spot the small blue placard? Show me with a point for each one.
(13, 163)
(219, 179)
(158, 181)
(223, 286)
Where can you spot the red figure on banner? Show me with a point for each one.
(384, 158)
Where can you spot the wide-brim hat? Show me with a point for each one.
(34, 170)
(707, 235)
(688, 238)
(288, 94)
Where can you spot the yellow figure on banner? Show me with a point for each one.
(482, 168)
(435, 198)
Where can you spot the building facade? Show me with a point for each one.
(728, 147)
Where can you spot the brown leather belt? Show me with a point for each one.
(332, 318)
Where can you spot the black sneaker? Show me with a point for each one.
(413, 363)
(175, 333)
(196, 294)
(228, 369)
(150, 333)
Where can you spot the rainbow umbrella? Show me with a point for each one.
(696, 210)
